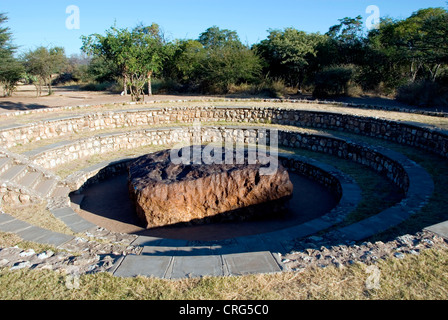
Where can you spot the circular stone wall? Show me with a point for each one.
(406, 174)
(317, 193)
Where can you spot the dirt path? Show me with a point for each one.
(25, 98)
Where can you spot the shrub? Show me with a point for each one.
(102, 86)
(166, 86)
(424, 94)
(333, 81)
(273, 88)
(266, 88)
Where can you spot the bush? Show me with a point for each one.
(103, 86)
(424, 93)
(166, 86)
(333, 81)
(267, 88)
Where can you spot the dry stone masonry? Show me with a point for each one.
(428, 138)
(27, 178)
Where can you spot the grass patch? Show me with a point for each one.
(8, 240)
(378, 192)
(38, 215)
(436, 210)
(412, 278)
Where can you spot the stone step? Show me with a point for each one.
(5, 164)
(16, 172)
(60, 191)
(30, 180)
(46, 187)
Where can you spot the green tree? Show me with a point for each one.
(289, 53)
(417, 45)
(137, 54)
(184, 62)
(42, 64)
(225, 61)
(214, 37)
(11, 71)
(345, 44)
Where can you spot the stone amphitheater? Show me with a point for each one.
(50, 156)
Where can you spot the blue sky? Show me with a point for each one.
(43, 22)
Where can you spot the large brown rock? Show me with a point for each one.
(166, 193)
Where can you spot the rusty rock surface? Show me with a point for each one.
(166, 193)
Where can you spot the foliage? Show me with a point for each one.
(290, 53)
(214, 38)
(345, 43)
(400, 56)
(333, 81)
(42, 63)
(424, 93)
(184, 62)
(416, 47)
(137, 54)
(11, 70)
(213, 63)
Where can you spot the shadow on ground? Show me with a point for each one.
(18, 106)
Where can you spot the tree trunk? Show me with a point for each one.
(149, 83)
(125, 84)
(50, 88)
(434, 73)
(38, 87)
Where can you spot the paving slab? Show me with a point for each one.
(251, 243)
(45, 187)
(55, 239)
(30, 179)
(149, 266)
(250, 263)
(35, 152)
(62, 212)
(14, 172)
(159, 251)
(72, 219)
(146, 241)
(4, 218)
(14, 226)
(33, 233)
(4, 162)
(196, 266)
(441, 229)
(228, 248)
(356, 231)
(81, 226)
